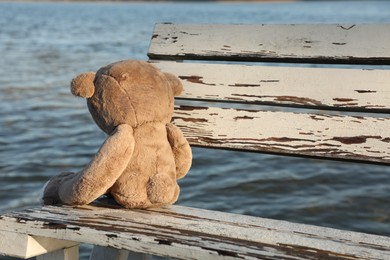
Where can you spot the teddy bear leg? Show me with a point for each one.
(162, 189)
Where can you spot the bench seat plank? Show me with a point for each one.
(341, 137)
(349, 89)
(337, 43)
(188, 233)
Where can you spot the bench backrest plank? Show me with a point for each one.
(337, 43)
(325, 88)
(362, 137)
(301, 134)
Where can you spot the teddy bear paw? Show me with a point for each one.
(50, 194)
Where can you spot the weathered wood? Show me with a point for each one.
(341, 137)
(349, 89)
(187, 233)
(26, 245)
(337, 43)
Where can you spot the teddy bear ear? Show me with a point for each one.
(82, 85)
(175, 83)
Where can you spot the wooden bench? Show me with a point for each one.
(233, 100)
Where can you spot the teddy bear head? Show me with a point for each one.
(128, 92)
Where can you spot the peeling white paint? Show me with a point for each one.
(188, 233)
(320, 43)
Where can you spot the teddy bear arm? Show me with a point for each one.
(102, 172)
(181, 150)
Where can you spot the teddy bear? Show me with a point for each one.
(144, 154)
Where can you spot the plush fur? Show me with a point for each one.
(144, 154)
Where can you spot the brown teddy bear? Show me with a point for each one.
(144, 154)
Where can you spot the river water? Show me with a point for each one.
(44, 130)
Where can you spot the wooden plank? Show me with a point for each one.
(187, 233)
(336, 43)
(364, 139)
(26, 246)
(337, 89)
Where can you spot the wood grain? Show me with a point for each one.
(318, 88)
(188, 233)
(364, 139)
(336, 43)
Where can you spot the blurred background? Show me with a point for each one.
(44, 130)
